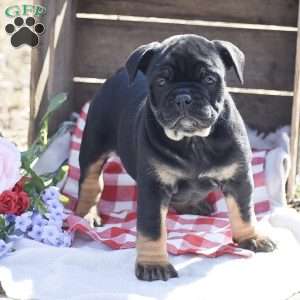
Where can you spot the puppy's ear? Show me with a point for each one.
(140, 58)
(232, 56)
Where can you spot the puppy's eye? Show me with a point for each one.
(161, 81)
(209, 79)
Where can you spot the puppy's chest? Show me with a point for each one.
(220, 173)
(199, 162)
(169, 175)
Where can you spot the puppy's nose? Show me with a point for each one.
(183, 100)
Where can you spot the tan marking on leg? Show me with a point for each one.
(153, 252)
(91, 189)
(241, 230)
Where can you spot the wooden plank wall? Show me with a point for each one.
(97, 37)
(103, 42)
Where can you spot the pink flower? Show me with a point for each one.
(10, 164)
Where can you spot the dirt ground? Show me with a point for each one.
(14, 84)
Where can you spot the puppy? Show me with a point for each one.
(170, 118)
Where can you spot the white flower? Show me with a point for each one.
(10, 164)
(23, 222)
(5, 247)
(50, 234)
(36, 233)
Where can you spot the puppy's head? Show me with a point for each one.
(186, 78)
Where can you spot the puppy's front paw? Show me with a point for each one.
(93, 219)
(258, 244)
(151, 272)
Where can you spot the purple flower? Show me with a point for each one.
(50, 234)
(57, 215)
(27, 214)
(51, 193)
(55, 206)
(23, 221)
(36, 233)
(10, 218)
(67, 239)
(59, 243)
(64, 240)
(5, 247)
(54, 220)
(38, 220)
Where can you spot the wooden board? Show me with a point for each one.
(275, 12)
(264, 113)
(103, 46)
(52, 65)
(295, 126)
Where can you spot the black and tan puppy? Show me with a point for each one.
(170, 118)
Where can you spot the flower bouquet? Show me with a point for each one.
(30, 205)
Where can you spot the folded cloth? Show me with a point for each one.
(209, 236)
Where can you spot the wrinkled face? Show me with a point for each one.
(186, 90)
(186, 83)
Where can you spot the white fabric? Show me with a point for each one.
(90, 271)
(57, 152)
(277, 161)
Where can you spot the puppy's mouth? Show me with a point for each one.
(187, 127)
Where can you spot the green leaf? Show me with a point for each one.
(10, 229)
(41, 207)
(40, 144)
(36, 201)
(54, 104)
(60, 174)
(3, 229)
(35, 181)
(2, 222)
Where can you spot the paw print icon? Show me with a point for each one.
(25, 33)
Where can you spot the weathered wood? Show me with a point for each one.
(52, 63)
(103, 46)
(295, 130)
(84, 92)
(298, 159)
(275, 12)
(265, 113)
(40, 65)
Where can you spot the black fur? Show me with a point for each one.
(176, 85)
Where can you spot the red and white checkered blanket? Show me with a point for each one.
(209, 236)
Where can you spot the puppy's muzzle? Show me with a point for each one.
(204, 114)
